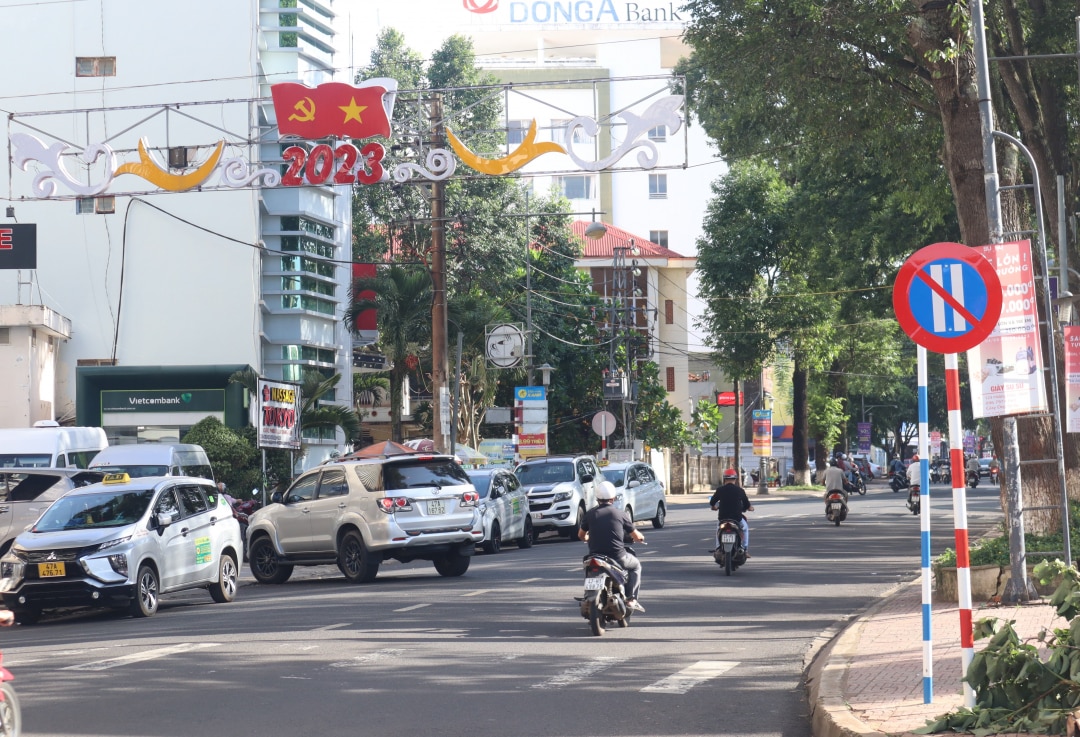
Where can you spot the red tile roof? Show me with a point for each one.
(605, 247)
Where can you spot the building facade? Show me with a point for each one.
(168, 293)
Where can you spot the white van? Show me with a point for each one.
(154, 459)
(47, 445)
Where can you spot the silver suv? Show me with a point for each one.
(560, 489)
(357, 513)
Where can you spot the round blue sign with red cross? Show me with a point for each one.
(947, 297)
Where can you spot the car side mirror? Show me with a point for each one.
(634, 483)
(164, 519)
(276, 497)
(586, 478)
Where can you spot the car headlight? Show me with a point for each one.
(12, 571)
(562, 496)
(114, 543)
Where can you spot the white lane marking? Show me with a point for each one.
(331, 627)
(478, 592)
(578, 673)
(687, 678)
(161, 652)
(411, 608)
(375, 657)
(680, 545)
(530, 580)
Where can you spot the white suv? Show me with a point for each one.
(357, 513)
(560, 489)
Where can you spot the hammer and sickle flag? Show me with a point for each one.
(335, 109)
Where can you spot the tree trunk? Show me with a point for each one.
(800, 448)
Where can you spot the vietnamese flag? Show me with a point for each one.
(331, 109)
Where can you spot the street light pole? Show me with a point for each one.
(439, 356)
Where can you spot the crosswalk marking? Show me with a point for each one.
(161, 652)
(687, 678)
(578, 673)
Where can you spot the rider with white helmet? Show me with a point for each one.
(607, 530)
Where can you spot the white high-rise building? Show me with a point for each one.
(168, 292)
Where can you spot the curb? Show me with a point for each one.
(830, 714)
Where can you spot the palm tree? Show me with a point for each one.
(369, 389)
(401, 298)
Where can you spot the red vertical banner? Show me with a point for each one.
(1072, 378)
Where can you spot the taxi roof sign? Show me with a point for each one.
(116, 478)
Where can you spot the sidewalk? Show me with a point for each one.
(868, 680)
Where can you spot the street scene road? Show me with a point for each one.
(500, 650)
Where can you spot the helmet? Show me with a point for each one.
(915, 457)
(730, 473)
(843, 456)
(605, 491)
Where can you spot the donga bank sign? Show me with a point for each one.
(591, 11)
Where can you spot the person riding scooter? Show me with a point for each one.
(972, 470)
(730, 501)
(607, 529)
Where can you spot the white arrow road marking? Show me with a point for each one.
(578, 673)
(411, 608)
(687, 678)
(161, 652)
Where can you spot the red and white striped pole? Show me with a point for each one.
(959, 492)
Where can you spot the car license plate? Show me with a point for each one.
(50, 570)
(436, 506)
(537, 515)
(594, 584)
(727, 538)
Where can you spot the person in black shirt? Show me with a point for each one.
(606, 529)
(730, 501)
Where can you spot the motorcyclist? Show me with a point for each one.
(835, 480)
(606, 529)
(995, 467)
(897, 466)
(914, 471)
(972, 468)
(730, 501)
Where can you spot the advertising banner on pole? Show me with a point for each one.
(762, 432)
(531, 420)
(1005, 370)
(1072, 378)
(935, 443)
(864, 437)
(279, 415)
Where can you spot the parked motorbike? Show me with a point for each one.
(604, 602)
(10, 713)
(899, 481)
(836, 507)
(913, 500)
(729, 551)
(972, 479)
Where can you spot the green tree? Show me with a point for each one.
(234, 460)
(402, 304)
(705, 420)
(659, 424)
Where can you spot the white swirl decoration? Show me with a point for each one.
(236, 172)
(440, 165)
(662, 112)
(27, 148)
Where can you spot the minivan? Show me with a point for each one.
(154, 459)
(47, 445)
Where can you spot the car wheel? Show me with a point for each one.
(355, 561)
(527, 537)
(452, 564)
(27, 616)
(661, 516)
(264, 563)
(224, 590)
(571, 533)
(630, 514)
(145, 603)
(494, 543)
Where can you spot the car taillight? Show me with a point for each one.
(391, 504)
(470, 499)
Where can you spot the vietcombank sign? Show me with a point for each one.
(165, 400)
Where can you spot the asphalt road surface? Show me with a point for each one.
(501, 650)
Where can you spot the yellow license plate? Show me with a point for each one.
(50, 570)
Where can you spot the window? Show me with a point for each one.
(191, 499)
(95, 66)
(91, 205)
(5, 336)
(333, 484)
(658, 186)
(670, 378)
(659, 237)
(659, 133)
(516, 130)
(576, 187)
(167, 505)
(303, 490)
(669, 312)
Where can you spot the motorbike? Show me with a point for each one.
(972, 479)
(836, 507)
(994, 475)
(860, 484)
(10, 713)
(729, 551)
(899, 481)
(913, 500)
(604, 602)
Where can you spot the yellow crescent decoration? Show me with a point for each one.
(149, 170)
(519, 157)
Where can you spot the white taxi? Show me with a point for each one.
(505, 508)
(121, 544)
